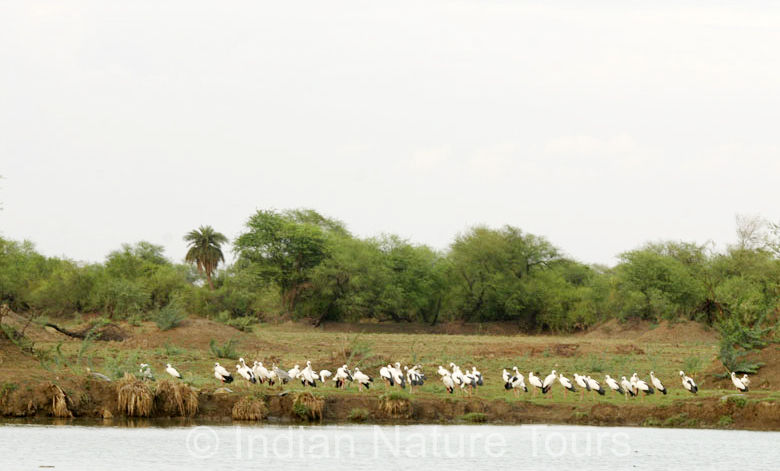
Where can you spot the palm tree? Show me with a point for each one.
(205, 250)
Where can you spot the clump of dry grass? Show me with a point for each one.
(395, 405)
(59, 401)
(249, 408)
(134, 397)
(308, 406)
(175, 398)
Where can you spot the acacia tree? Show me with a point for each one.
(205, 250)
(284, 248)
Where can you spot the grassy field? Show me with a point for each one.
(192, 348)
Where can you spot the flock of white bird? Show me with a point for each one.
(454, 378)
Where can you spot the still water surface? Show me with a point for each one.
(468, 447)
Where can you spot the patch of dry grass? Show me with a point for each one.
(249, 408)
(134, 397)
(308, 406)
(175, 398)
(395, 405)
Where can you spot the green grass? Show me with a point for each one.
(290, 344)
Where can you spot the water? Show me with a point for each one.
(467, 447)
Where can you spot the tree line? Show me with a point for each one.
(298, 264)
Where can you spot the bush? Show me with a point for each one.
(227, 350)
(169, 316)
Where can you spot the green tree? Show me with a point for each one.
(284, 248)
(205, 250)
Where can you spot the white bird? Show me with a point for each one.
(457, 375)
(506, 376)
(745, 380)
(641, 385)
(442, 371)
(582, 383)
(688, 383)
(449, 384)
(613, 384)
(470, 381)
(566, 383)
(146, 372)
(536, 382)
(628, 387)
(386, 374)
(172, 371)
(246, 373)
(324, 375)
(342, 376)
(398, 375)
(362, 379)
(261, 372)
(595, 386)
(414, 377)
(548, 382)
(307, 376)
(478, 375)
(516, 382)
(294, 372)
(657, 383)
(738, 382)
(222, 374)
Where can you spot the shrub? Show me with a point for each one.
(170, 316)
(358, 415)
(227, 350)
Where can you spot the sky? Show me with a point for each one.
(600, 126)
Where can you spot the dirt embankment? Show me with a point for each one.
(94, 398)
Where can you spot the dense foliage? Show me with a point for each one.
(299, 264)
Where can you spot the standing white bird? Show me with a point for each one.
(566, 383)
(261, 372)
(688, 383)
(516, 383)
(548, 382)
(342, 376)
(386, 374)
(628, 387)
(398, 375)
(536, 382)
(595, 386)
(657, 383)
(246, 373)
(745, 380)
(478, 375)
(294, 371)
(172, 371)
(443, 371)
(307, 376)
(449, 384)
(641, 385)
(222, 374)
(582, 383)
(738, 383)
(506, 376)
(613, 384)
(362, 379)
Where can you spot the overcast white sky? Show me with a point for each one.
(599, 125)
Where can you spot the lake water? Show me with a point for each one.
(467, 447)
